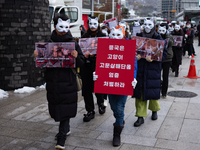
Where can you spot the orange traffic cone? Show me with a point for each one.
(192, 70)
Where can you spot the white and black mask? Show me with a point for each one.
(136, 23)
(105, 31)
(171, 29)
(188, 26)
(93, 23)
(148, 25)
(116, 33)
(63, 26)
(123, 24)
(177, 27)
(162, 30)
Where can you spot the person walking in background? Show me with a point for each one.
(177, 51)
(61, 83)
(198, 33)
(189, 39)
(166, 64)
(148, 78)
(87, 73)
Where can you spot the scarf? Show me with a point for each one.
(150, 34)
(61, 38)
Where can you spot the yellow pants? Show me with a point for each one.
(141, 106)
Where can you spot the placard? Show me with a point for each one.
(55, 55)
(178, 40)
(115, 65)
(136, 29)
(110, 23)
(89, 45)
(149, 47)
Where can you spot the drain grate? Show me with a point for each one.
(183, 94)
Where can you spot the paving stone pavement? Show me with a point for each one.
(25, 123)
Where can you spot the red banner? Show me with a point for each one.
(115, 65)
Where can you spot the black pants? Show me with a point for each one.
(165, 75)
(63, 128)
(199, 39)
(189, 48)
(89, 101)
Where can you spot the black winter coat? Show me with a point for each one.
(178, 51)
(149, 76)
(61, 84)
(89, 67)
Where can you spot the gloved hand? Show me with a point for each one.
(94, 76)
(148, 58)
(138, 57)
(186, 35)
(134, 82)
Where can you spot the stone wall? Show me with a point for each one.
(22, 23)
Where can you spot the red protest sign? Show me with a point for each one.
(115, 66)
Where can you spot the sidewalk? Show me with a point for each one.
(25, 123)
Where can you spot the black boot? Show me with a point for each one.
(116, 135)
(154, 115)
(139, 121)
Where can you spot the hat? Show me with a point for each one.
(164, 24)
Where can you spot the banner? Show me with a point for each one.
(110, 23)
(178, 40)
(149, 47)
(55, 55)
(115, 65)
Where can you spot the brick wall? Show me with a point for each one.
(22, 23)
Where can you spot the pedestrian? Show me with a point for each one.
(61, 83)
(185, 29)
(177, 51)
(148, 78)
(87, 73)
(166, 64)
(117, 102)
(189, 40)
(198, 32)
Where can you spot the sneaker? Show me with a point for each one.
(189, 56)
(102, 109)
(59, 147)
(60, 143)
(68, 133)
(88, 116)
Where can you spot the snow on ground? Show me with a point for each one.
(3, 93)
(25, 89)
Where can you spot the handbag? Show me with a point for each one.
(78, 80)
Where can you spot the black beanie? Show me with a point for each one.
(164, 24)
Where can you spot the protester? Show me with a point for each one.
(198, 31)
(117, 102)
(61, 83)
(177, 51)
(148, 78)
(166, 64)
(87, 73)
